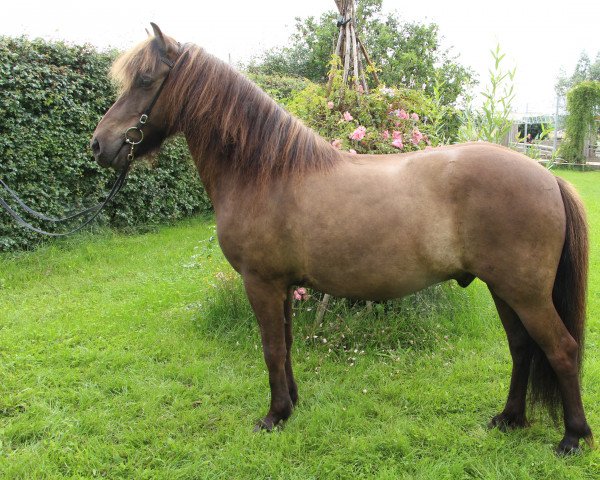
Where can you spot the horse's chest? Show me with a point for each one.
(257, 245)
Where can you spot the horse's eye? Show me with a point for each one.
(145, 81)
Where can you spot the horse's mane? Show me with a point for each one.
(230, 123)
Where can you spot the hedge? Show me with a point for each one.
(583, 103)
(52, 95)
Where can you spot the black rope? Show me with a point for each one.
(41, 216)
(98, 208)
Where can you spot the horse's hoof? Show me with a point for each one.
(263, 425)
(568, 446)
(505, 422)
(267, 424)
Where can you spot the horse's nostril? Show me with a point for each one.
(95, 144)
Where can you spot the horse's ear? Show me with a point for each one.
(162, 44)
(148, 32)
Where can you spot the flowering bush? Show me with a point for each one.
(386, 120)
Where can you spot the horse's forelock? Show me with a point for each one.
(142, 58)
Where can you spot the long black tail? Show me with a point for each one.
(569, 296)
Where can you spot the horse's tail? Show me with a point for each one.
(568, 295)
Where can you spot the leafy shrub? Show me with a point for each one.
(492, 121)
(52, 95)
(583, 102)
(386, 120)
(279, 87)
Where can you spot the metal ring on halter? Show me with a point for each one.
(132, 141)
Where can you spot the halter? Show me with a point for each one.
(144, 117)
(119, 182)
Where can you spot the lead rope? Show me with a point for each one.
(98, 208)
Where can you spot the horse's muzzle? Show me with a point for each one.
(108, 158)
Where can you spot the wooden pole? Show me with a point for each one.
(355, 56)
(363, 79)
(321, 309)
(347, 54)
(338, 48)
(368, 59)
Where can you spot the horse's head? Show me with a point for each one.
(142, 75)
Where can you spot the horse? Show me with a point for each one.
(291, 210)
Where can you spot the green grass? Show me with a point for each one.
(138, 357)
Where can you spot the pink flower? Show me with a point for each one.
(402, 114)
(337, 144)
(300, 294)
(397, 142)
(416, 136)
(352, 151)
(330, 105)
(385, 134)
(358, 134)
(414, 116)
(361, 89)
(348, 117)
(428, 147)
(396, 135)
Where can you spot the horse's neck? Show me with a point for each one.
(239, 136)
(211, 168)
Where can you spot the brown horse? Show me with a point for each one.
(292, 210)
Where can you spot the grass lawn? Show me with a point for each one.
(137, 357)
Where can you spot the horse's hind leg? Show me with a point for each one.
(287, 311)
(548, 330)
(520, 345)
(267, 301)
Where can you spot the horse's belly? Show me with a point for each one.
(376, 275)
(373, 291)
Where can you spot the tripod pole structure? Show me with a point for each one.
(351, 51)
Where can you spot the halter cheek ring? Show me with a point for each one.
(139, 133)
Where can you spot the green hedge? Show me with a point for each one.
(52, 95)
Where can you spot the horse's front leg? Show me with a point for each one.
(289, 338)
(267, 300)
